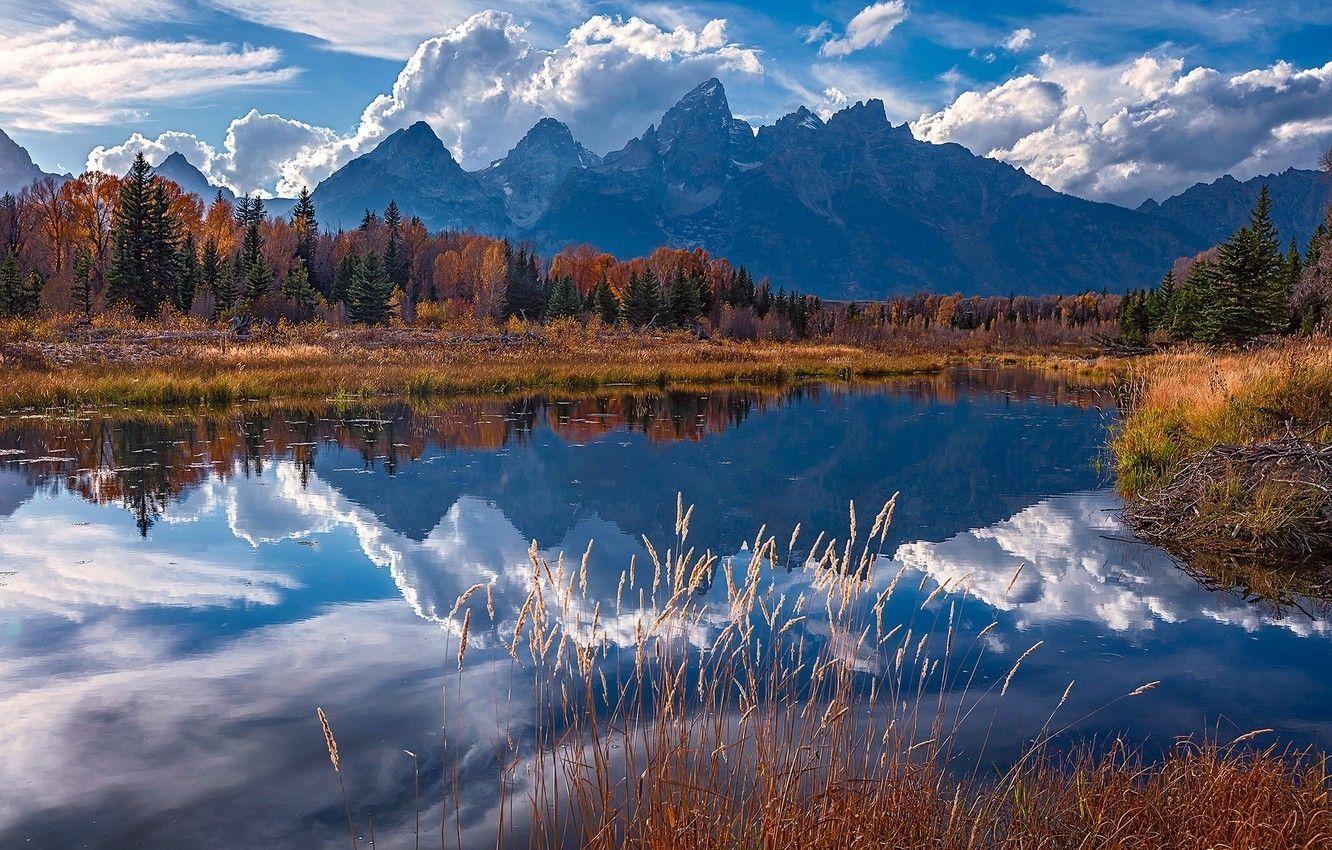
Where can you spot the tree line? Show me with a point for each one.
(1241, 290)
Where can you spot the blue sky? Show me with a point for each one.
(1112, 101)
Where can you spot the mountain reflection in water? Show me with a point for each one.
(160, 665)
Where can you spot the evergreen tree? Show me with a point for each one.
(298, 288)
(742, 289)
(258, 282)
(370, 291)
(604, 302)
(305, 224)
(224, 290)
(564, 299)
(344, 275)
(395, 261)
(369, 221)
(763, 299)
(81, 290)
(144, 250)
(642, 299)
(684, 300)
(1188, 315)
(210, 266)
(1134, 318)
(527, 294)
(188, 275)
(11, 283)
(1249, 294)
(251, 249)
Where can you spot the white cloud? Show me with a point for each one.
(869, 28)
(1142, 128)
(57, 77)
(481, 85)
(389, 29)
(1019, 39)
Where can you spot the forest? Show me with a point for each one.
(137, 246)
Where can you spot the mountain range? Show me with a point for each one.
(17, 170)
(850, 207)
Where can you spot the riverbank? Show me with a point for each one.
(1230, 453)
(147, 364)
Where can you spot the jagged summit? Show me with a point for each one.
(847, 207)
(528, 176)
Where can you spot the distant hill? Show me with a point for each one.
(17, 170)
(1217, 209)
(178, 170)
(848, 208)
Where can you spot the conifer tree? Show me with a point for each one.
(763, 299)
(642, 299)
(225, 291)
(210, 266)
(143, 243)
(684, 300)
(604, 302)
(368, 297)
(395, 262)
(188, 275)
(564, 299)
(82, 286)
(1248, 293)
(11, 282)
(298, 288)
(305, 224)
(258, 282)
(343, 276)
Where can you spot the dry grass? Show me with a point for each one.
(709, 708)
(184, 362)
(1220, 451)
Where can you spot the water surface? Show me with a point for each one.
(178, 592)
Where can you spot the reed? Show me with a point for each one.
(720, 703)
(1229, 452)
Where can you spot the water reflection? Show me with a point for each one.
(176, 599)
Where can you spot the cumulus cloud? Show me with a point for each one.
(58, 77)
(869, 28)
(481, 85)
(1019, 39)
(1142, 128)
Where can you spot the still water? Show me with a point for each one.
(178, 592)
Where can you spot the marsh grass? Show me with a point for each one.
(1226, 452)
(716, 703)
(185, 362)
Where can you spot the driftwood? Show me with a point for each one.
(1116, 347)
(1271, 500)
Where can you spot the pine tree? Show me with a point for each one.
(11, 283)
(1189, 317)
(298, 289)
(642, 299)
(763, 299)
(143, 243)
(564, 300)
(368, 297)
(210, 266)
(684, 301)
(305, 224)
(604, 302)
(742, 289)
(81, 290)
(188, 275)
(258, 282)
(395, 261)
(1134, 321)
(346, 272)
(1248, 294)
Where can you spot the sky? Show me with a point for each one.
(1112, 101)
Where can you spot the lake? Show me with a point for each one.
(179, 592)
